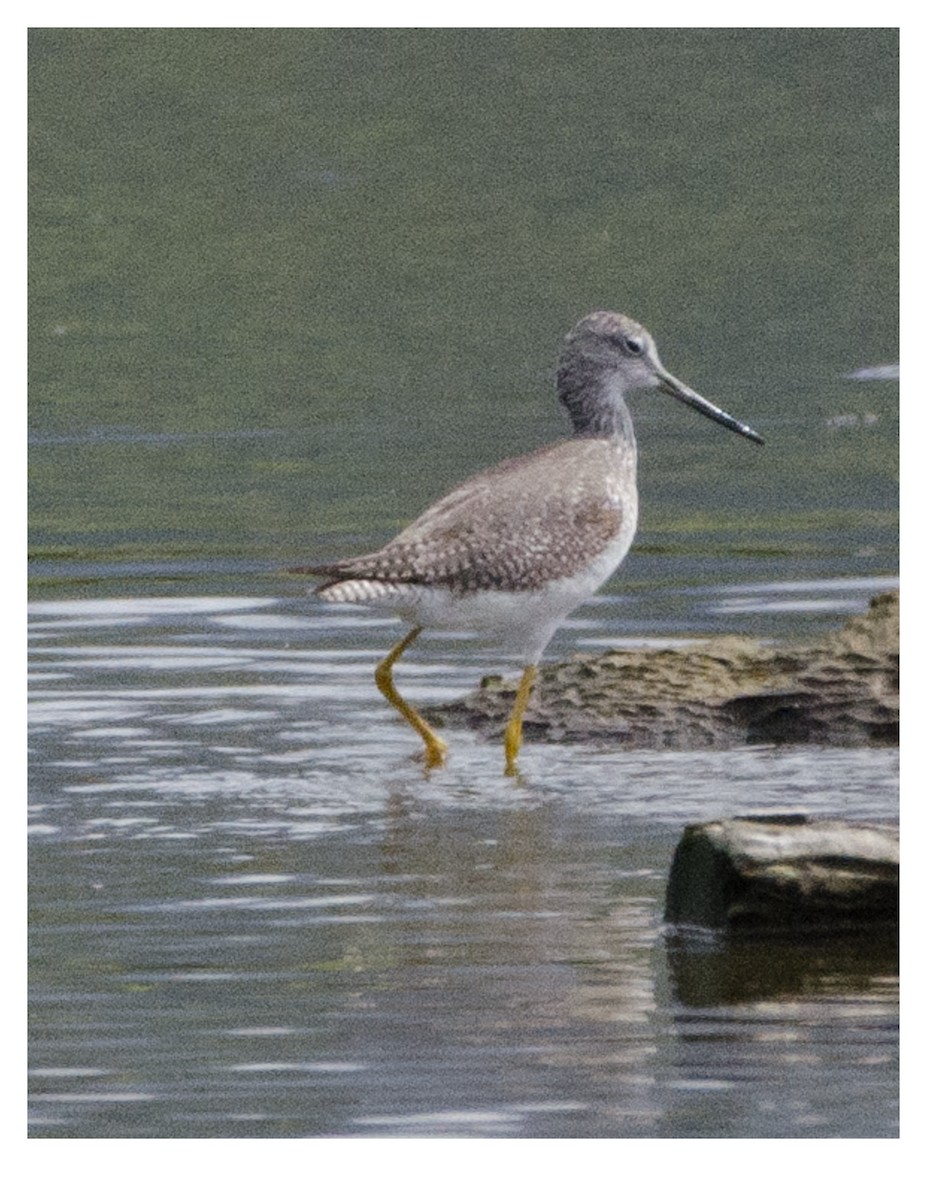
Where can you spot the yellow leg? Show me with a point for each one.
(435, 749)
(513, 729)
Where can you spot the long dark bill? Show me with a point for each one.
(678, 390)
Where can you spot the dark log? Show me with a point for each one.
(784, 873)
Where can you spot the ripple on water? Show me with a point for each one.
(232, 841)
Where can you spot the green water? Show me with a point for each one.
(330, 270)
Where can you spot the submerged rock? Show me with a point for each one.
(717, 692)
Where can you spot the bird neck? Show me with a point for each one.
(595, 402)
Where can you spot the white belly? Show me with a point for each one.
(521, 623)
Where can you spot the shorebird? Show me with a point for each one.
(511, 551)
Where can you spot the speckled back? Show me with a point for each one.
(524, 523)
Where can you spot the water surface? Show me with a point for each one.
(254, 914)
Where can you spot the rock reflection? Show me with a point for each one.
(715, 971)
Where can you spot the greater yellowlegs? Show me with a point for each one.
(511, 551)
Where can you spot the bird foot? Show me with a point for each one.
(434, 754)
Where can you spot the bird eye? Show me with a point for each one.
(634, 345)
